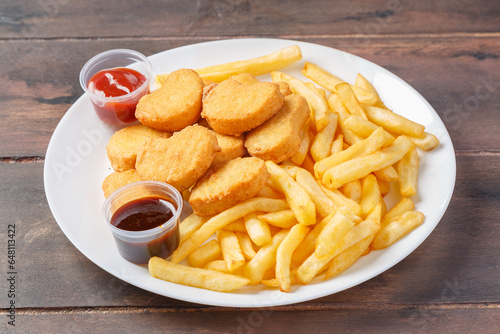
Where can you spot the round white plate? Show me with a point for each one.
(76, 164)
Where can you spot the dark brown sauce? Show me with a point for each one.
(144, 214)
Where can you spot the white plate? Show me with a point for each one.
(76, 164)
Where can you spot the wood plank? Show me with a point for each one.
(64, 18)
(468, 319)
(456, 264)
(458, 76)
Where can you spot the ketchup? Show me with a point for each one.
(117, 82)
(144, 214)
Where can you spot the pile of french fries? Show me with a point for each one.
(323, 208)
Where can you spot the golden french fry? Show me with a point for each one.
(298, 199)
(231, 250)
(246, 245)
(338, 107)
(335, 229)
(352, 190)
(189, 225)
(328, 80)
(256, 66)
(318, 90)
(405, 204)
(363, 83)
(291, 170)
(313, 265)
(425, 142)
(322, 143)
(222, 219)
(348, 257)
(207, 252)
(257, 229)
(337, 144)
(319, 107)
(322, 202)
(408, 172)
(196, 277)
(349, 99)
(388, 174)
(283, 219)
(384, 186)
(362, 148)
(360, 167)
(284, 255)
(264, 259)
(218, 265)
(298, 158)
(236, 226)
(397, 228)
(308, 244)
(393, 122)
(370, 194)
(365, 128)
(308, 164)
(269, 192)
(340, 200)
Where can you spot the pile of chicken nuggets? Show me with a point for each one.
(208, 140)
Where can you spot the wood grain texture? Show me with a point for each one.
(458, 76)
(456, 264)
(94, 18)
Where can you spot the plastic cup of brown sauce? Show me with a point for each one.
(144, 219)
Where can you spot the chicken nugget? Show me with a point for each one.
(284, 88)
(124, 144)
(279, 138)
(232, 108)
(179, 160)
(175, 105)
(117, 180)
(227, 184)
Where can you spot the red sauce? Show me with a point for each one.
(144, 214)
(114, 83)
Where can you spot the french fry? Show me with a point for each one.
(282, 219)
(269, 192)
(196, 277)
(360, 167)
(328, 80)
(257, 229)
(264, 259)
(393, 122)
(404, 204)
(298, 199)
(352, 190)
(189, 225)
(284, 255)
(365, 128)
(349, 99)
(319, 107)
(388, 174)
(318, 90)
(218, 265)
(207, 252)
(397, 228)
(425, 142)
(256, 66)
(335, 229)
(384, 186)
(338, 107)
(312, 265)
(340, 200)
(408, 172)
(298, 158)
(308, 244)
(236, 226)
(322, 202)
(362, 148)
(337, 144)
(308, 164)
(363, 83)
(370, 194)
(348, 257)
(231, 250)
(222, 219)
(246, 245)
(322, 143)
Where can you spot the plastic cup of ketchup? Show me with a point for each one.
(144, 219)
(115, 80)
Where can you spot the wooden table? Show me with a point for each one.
(449, 51)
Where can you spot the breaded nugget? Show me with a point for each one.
(245, 78)
(117, 180)
(232, 108)
(231, 147)
(179, 160)
(284, 88)
(175, 105)
(227, 184)
(279, 138)
(124, 144)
